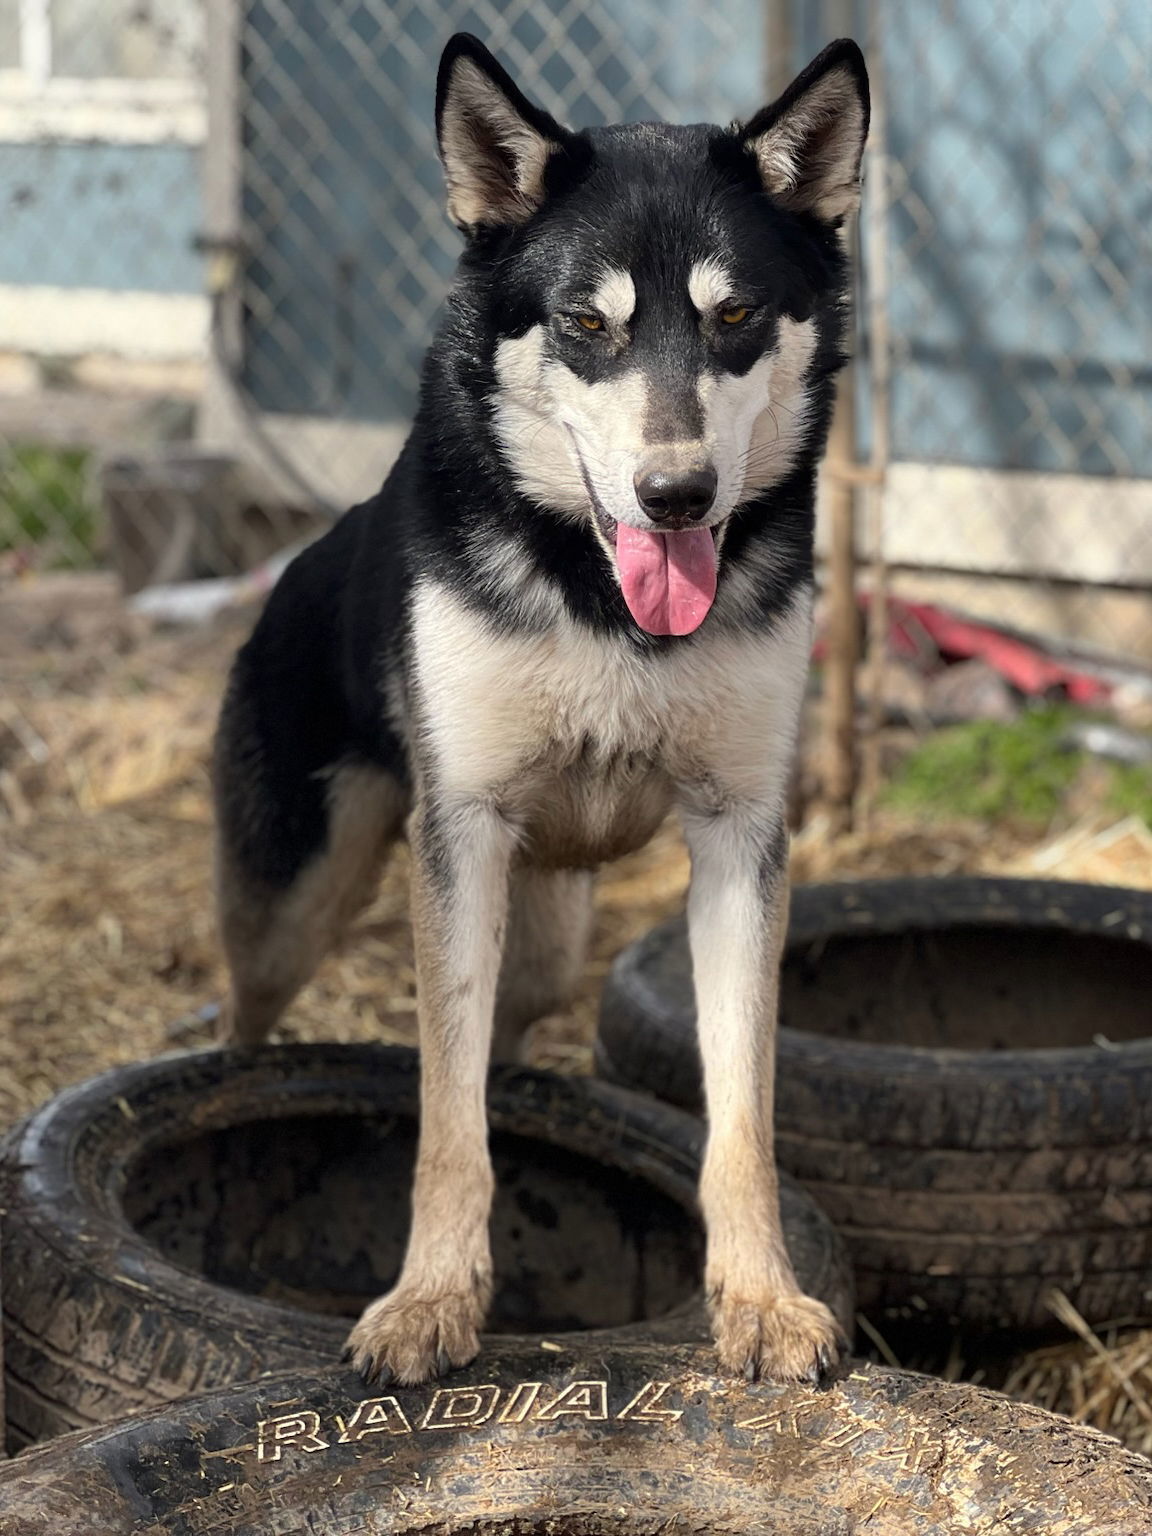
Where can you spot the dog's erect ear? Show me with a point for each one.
(494, 143)
(808, 144)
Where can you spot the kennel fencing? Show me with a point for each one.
(227, 247)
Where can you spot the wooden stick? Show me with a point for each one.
(875, 241)
(839, 747)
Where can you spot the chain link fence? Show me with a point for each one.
(226, 247)
(1007, 287)
(330, 190)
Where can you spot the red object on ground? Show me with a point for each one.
(1025, 666)
(924, 634)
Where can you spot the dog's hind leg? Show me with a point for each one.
(430, 1321)
(549, 921)
(276, 933)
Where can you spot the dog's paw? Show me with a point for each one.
(409, 1338)
(775, 1338)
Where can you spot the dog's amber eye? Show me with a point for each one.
(591, 322)
(735, 315)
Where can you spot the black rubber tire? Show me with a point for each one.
(630, 1440)
(125, 1249)
(967, 1182)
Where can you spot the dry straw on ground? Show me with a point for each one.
(1102, 1377)
(107, 950)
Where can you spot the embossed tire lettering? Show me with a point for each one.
(631, 1440)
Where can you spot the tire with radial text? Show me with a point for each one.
(630, 1439)
(181, 1224)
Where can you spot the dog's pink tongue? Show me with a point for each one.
(668, 579)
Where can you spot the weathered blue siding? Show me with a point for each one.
(112, 216)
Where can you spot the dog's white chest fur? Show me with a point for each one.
(582, 739)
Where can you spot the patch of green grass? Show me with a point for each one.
(1019, 772)
(45, 501)
(991, 771)
(1131, 790)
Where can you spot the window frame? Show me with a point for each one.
(37, 105)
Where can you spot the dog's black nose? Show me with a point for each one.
(676, 497)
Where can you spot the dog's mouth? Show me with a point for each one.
(668, 580)
(608, 525)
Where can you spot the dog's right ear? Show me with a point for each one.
(494, 143)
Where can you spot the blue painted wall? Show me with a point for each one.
(101, 216)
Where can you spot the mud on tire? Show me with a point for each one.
(634, 1440)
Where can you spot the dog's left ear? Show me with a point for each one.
(809, 143)
(494, 143)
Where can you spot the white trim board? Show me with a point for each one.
(1079, 528)
(101, 111)
(35, 27)
(70, 322)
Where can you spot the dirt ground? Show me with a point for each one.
(107, 948)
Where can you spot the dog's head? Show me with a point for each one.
(657, 299)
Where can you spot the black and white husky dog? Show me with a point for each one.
(582, 598)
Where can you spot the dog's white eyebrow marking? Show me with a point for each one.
(615, 297)
(709, 284)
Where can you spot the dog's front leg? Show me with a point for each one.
(737, 914)
(430, 1321)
